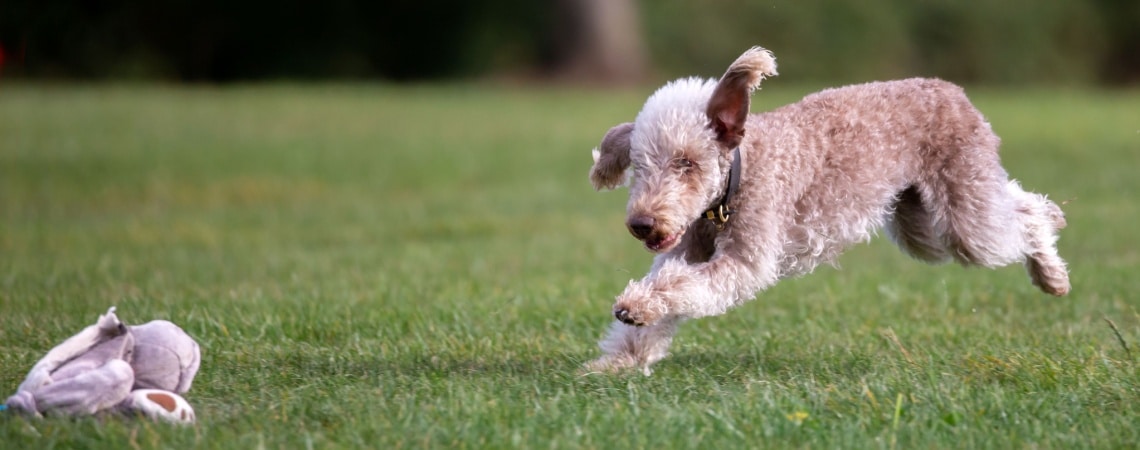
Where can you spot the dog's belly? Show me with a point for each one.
(824, 222)
(807, 244)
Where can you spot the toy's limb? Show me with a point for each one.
(95, 379)
(22, 402)
(88, 392)
(159, 405)
(108, 326)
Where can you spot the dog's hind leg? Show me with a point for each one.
(1040, 220)
(911, 227)
(990, 221)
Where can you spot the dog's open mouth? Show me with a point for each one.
(659, 244)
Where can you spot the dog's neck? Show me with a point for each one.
(719, 213)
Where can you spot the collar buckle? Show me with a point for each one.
(719, 216)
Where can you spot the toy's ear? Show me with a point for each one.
(728, 107)
(611, 158)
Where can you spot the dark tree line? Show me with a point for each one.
(254, 39)
(216, 40)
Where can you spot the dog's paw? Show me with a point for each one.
(605, 364)
(640, 305)
(614, 364)
(630, 313)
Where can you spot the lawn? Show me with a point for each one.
(370, 266)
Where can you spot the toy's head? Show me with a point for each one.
(164, 357)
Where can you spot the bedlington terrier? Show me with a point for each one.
(732, 202)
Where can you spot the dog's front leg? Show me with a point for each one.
(653, 307)
(627, 346)
(676, 288)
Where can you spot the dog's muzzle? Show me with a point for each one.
(641, 227)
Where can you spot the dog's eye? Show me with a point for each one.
(682, 163)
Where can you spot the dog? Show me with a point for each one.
(732, 202)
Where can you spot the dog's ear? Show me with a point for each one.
(728, 107)
(611, 158)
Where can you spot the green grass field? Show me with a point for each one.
(412, 267)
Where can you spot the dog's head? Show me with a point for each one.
(680, 149)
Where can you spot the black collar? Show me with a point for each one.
(720, 213)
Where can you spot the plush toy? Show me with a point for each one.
(109, 366)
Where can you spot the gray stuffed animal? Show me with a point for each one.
(113, 367)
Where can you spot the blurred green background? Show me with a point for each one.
(606, 41)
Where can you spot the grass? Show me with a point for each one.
(380, 267)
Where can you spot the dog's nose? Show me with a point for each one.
(640, 226)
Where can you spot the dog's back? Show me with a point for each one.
(913, 156)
